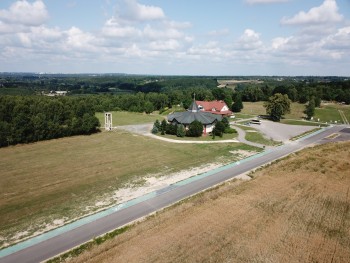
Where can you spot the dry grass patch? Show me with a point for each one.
(45, 184)
(295, 210)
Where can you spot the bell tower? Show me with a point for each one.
(108, 121)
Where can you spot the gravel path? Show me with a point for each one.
(272, 130)
(144, 129)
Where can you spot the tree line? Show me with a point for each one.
(25, 119)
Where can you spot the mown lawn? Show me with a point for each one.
(60, 179)
(129, 118)
(257, 108)
(327, 113)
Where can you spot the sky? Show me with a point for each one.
(176, 37)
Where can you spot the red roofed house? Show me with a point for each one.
(216, 107)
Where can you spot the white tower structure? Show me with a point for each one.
(108, 121)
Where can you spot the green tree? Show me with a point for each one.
(155, 130)
(171, 129)
(149, 108)
(226, 122)
(277, 105)
(163, 126)
(219, 129)
(317, 101)
(237, 106)
(180, 132)
(310, 108)
(157, 124)
(195, 129)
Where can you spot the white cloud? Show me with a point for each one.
(209, 49)
(113, 29)
(78, 40)
(167, 45)
(338, 41)
(250, 40)
(25, 13)
(280, 42)
(162, 33)
(252, 2)
(325, 13)
(132, 10)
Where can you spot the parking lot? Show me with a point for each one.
(279, 131)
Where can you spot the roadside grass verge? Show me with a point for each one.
(129, 118)
(304, 134)
(46, 184)
(296, 208)
(240, 116)
(302, 122)
(88, 245)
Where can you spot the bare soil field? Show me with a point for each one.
(295, 210)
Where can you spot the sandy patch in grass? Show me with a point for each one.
(243, 154)
(158, 181)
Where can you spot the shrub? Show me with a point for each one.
(218, 129)
(195, 129)
(171, 129)
(180, 131)
(154, 130)
(230, 130)
(226, 122)
(163, 126)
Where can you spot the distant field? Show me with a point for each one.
(257, 108)
(60, 179)
(128, 118)
(326, 113)
(16, 91)
(330, 113)
(295, 210)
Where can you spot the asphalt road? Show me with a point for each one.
(56, 245)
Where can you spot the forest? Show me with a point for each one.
(26, 115)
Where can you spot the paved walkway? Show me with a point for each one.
(241, 138)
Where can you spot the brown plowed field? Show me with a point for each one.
(295, 210)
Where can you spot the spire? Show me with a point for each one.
(194, 106)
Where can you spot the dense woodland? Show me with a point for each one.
(26, 115)
(25, 119)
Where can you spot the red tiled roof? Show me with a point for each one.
(215, 107)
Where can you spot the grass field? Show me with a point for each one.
(295, 210)
(330, 113)
(45, 183)
(257, 108)
(327, 113)
(129, 118)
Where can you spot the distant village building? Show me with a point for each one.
(208, 119)
(215, 107)
(54, 93)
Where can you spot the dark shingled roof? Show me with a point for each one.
(193, 113)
